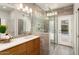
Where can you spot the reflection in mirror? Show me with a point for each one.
(20, 26)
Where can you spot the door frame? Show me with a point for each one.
(71, 43)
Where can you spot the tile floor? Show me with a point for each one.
(60, 50)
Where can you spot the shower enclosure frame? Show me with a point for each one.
(55, 19)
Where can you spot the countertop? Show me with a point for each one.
(16, 41)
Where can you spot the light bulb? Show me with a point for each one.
(47, 14)
(26, 8)
(21, 5)
(56, 13)
(23, 10)
(30, 10)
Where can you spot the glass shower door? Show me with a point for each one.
(77, 45)
(53, 32)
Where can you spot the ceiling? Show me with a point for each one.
(6, 7)
(12, 6)
(46, 6)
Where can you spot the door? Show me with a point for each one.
(53, 33)
(65, 30)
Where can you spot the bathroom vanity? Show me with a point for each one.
(28, 45)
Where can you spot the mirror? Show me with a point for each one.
(18, 23)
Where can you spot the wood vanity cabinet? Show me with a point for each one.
(31, 47)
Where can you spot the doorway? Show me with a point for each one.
(65, 30)
(60, 35)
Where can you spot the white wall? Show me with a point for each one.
(4, 14)
(5, 17)
(75, 28)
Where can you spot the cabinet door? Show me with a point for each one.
(36, 46)
(29, 47)
(33, 47)
(21, 49)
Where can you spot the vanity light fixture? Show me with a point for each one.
(20, 6)
(51, 14)
(29, 10)
(24, 9)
